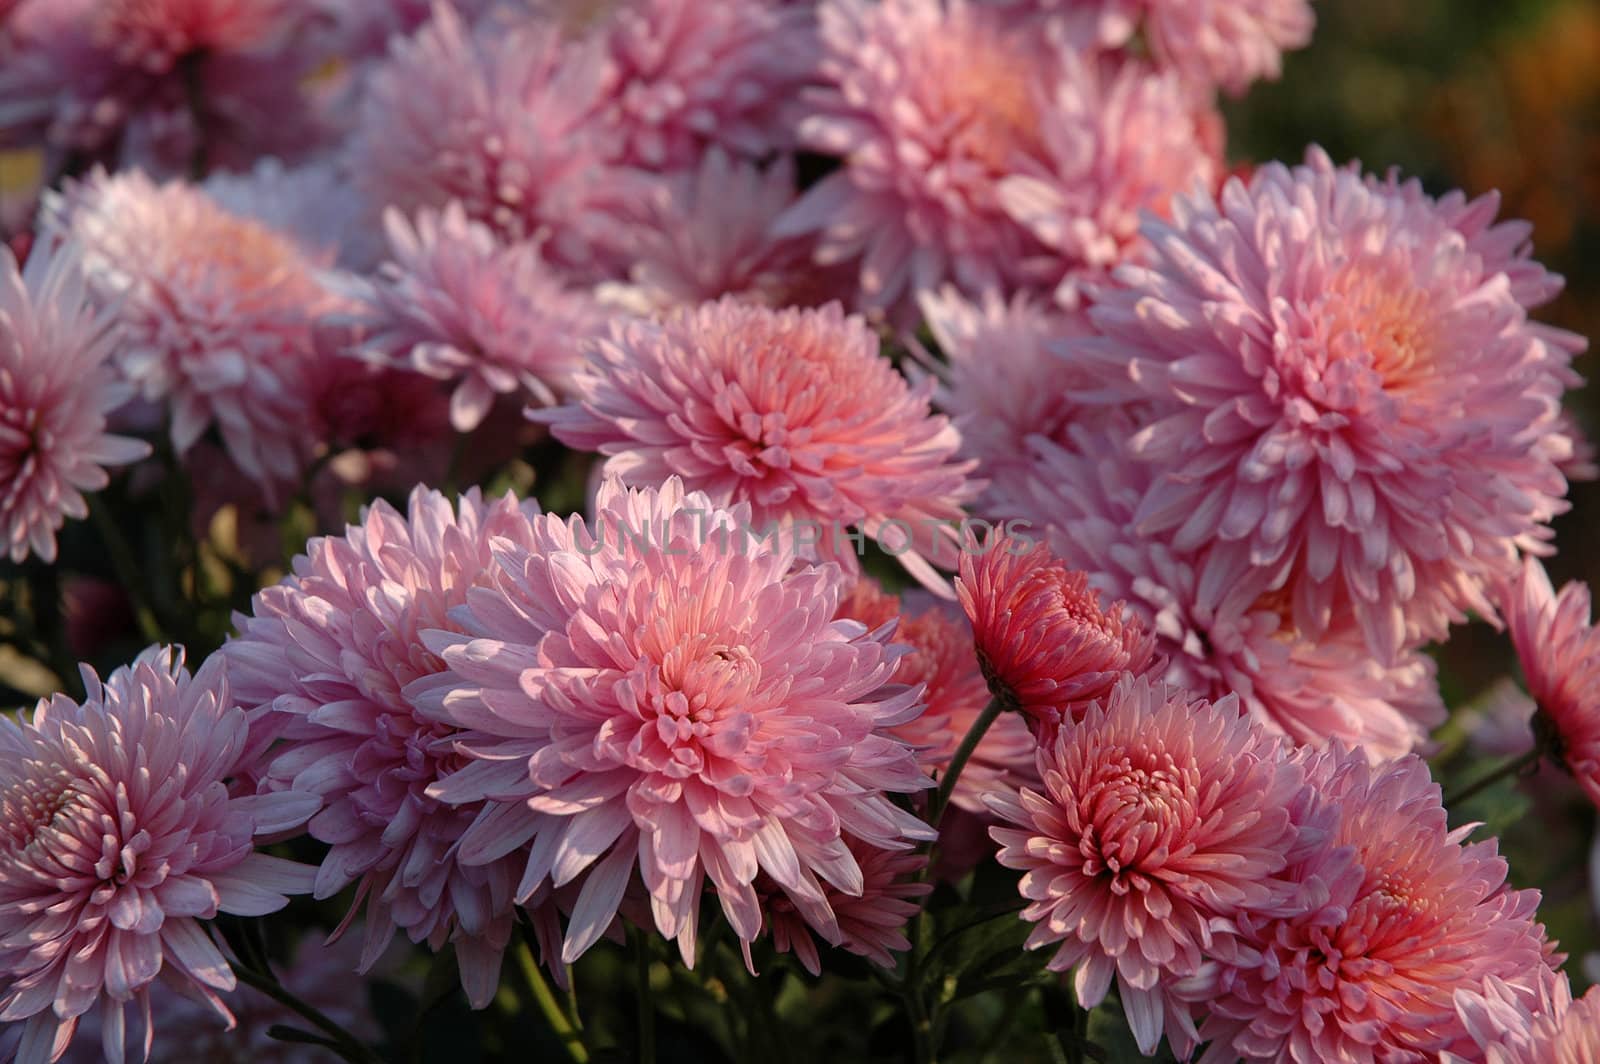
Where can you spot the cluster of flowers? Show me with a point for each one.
(1278, 430)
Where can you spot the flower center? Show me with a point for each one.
(33, 805)
(1280, 602)
(1377, 314)
(981, 97)
(248, 251)
(784, 387)
(708, 680)
(697, 707)
(1074, 606)
(1392, 902)
(1133, 807)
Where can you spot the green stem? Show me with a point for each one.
(1495, 775)
(955, 933)
(128, 571)
(911, 991)
(565, 1027)
(349, 1047)
(570, 999)
(963, 754)
(647, 1007)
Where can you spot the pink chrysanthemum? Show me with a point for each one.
(931, 103)
(1572, 1037)
(1534, 1022)
(119, 836)
(647, 705)
(683, 75)
(162, 83)
(1347, 394)
(944, 662)
(1001, 382)
(1227, 43)
(457, 304)
(1046, 642)
(1559, 648)
(333, 647)
(1117, 141)
(795, 412)
(871, 923)
(1396, 914)
(1161, 819)
(56, 388)
(503, 120)
(706, 233)
(214, 310)
(1235, 636)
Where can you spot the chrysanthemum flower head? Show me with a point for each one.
(1397, 914)
(503, 120)
(930, 103)
(458, 304)
(1559, 649)
(1160, 819)
(683, 75)
(649, 705)
(1002, 381)
(1047, 643)
(161, 83)
(214, 313)
(1532, 1021)
(56, 389)
(118, 836)
(794, 412)
(1236, 636)
(1570, 1036)
(943, 661)
(705, 233)
(1117, 140)
(1347, 393)
(333, 647)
